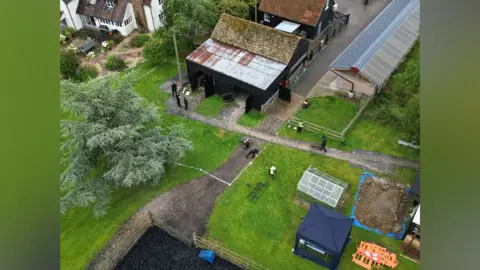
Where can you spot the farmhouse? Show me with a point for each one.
(295, 16)
(123, 16)
(367, 63)
(245, 58)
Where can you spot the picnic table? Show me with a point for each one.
(254, 190)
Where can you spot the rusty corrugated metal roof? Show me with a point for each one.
(236, 63)
(302, 11)
(256, 38)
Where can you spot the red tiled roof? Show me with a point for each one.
(302, 11)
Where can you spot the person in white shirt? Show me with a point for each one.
(272, 172)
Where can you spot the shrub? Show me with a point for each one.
(91, 55)
(69, 64)
(115, 63)
(62, 38)
(140, 40)
(86, 73)
(68, 31)
(157, 49)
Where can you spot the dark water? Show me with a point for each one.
(156, 250)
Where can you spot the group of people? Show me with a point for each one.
(246, 143)
(176, 95)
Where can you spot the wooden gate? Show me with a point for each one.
(248, 103)
(269, 103)
(284, 93)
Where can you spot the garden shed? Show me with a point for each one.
(322, 236)
(316, 186)
(243, 57)
(369, 61)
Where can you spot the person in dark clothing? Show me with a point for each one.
(178, 101)
(323, 144)
(252, 153)
(174, 89)
(185, 102)
(246, 142)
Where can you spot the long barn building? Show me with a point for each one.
(245, 57)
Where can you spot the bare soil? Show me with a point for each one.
(381, 205)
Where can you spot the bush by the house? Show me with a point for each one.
(69, 64)
(62, 38)
(115, 63)
(86, 73)
(68, 31)
(91, 55)
(158, 48)
(140, 40)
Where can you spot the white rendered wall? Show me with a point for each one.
(152, 15)
(71, 10)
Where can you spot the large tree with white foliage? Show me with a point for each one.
(111, 140)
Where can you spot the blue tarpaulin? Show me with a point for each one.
(207, 255)
(360, 225)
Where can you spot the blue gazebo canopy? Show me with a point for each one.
(325, 229)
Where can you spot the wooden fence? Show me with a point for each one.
(157, 222)
(336, 135)
(226, 254)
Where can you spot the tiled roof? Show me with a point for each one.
(256, 38)
(302, 11)
(381, 47)
(99, 9)
(237, 63)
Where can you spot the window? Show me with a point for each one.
(118, 24)
(93, 2)
(266, 17)
(161, 16)
(160, 2)
(127, 21)
(110, 3)
(327, 5)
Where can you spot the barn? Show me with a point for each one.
(368, 62)
(243, 58)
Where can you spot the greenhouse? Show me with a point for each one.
(316, 186)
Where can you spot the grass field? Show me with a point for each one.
(264, 231)
(252, 119)
(82, 236)
(210, 106)
(331, 112)
(364, 134)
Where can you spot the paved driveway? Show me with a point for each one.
(360, 17)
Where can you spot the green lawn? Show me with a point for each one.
(252, 119)
(366, 135)
(82, 236)
(264, 231)
(210, 106)
(331, 112)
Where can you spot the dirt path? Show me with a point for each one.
(185, 208)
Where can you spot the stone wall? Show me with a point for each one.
(128, 234)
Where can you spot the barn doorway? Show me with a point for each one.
(207, 83)
(284, 93)
(248, 104)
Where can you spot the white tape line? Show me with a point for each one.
(202, 170)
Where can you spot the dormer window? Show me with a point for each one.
(110, 3)
(327, 5)
(92, 2)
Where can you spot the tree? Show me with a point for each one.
(190, 18)
(158, 47)
(69, 64)
(237, 8)
(111, 140)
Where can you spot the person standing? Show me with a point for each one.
(300, 126)
(252, 153)
(185, 102)
(323, 144)
(178, 101)
(174, 89)
(272, 172)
